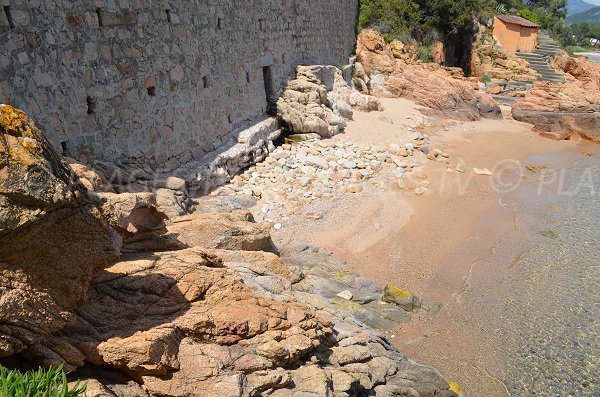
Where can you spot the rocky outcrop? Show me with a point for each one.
(389, 70)
(52, 238)
(203, 322)
(488, 58)
(578, 70)
(212, 314)
(431, 86)
(561, 111)
(353, 98)
(303, 107)
(375, 54)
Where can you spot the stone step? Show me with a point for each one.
(541, 48)
(536, 61)
(545, 50)
(528, 54)
(504, 100)
(552, 77)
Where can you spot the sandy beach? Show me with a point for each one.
(432, 244)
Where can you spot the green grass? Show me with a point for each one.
(41, 383)
(573, 49)
(485, 79)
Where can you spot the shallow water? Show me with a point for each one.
(594, 58)
(548, 316)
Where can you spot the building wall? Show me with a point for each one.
(514, 37)
(528, 39)
(168, 81)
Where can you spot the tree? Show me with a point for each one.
(450, 16)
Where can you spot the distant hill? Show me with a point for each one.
(577, 6)
(590, 16)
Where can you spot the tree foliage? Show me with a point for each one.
(550, 14)
(580, 34)
(418, 17)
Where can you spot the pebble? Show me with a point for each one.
(345, 295)
(278, 226)
(421, 190)
(354, 188)
(300, 173)
(482, 171)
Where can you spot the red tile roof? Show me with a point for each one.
(517, 21)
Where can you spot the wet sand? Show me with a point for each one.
(436, 245)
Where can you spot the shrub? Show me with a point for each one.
(41, 383)
(529, 15)
(425, 53)
(485, 78)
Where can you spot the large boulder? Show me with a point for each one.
(231, 231)
(433, 87)
(91, 179)
(561, 111)
(52, 237)
(304, 106)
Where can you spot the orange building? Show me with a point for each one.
(515, 33)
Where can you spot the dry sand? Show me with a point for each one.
(431, 244)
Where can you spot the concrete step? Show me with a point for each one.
(546, 73)
(504, 100)
(545, 76)
(528, 54)
(546, 49)
(543, 48)
(537, 61)
(545, 52)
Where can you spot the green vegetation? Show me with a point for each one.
(579, 35)
(41, 383)
(529, 15)
(418, 18)
(485, 79)
(425, 53)
(427, 20)
(393, 18)
(548, 13)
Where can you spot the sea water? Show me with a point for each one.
(549, 318)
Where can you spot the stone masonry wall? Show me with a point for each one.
(166, 81)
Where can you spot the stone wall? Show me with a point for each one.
(165, 81)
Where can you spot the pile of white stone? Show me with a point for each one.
(293, 175)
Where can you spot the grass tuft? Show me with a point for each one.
(50, 382)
